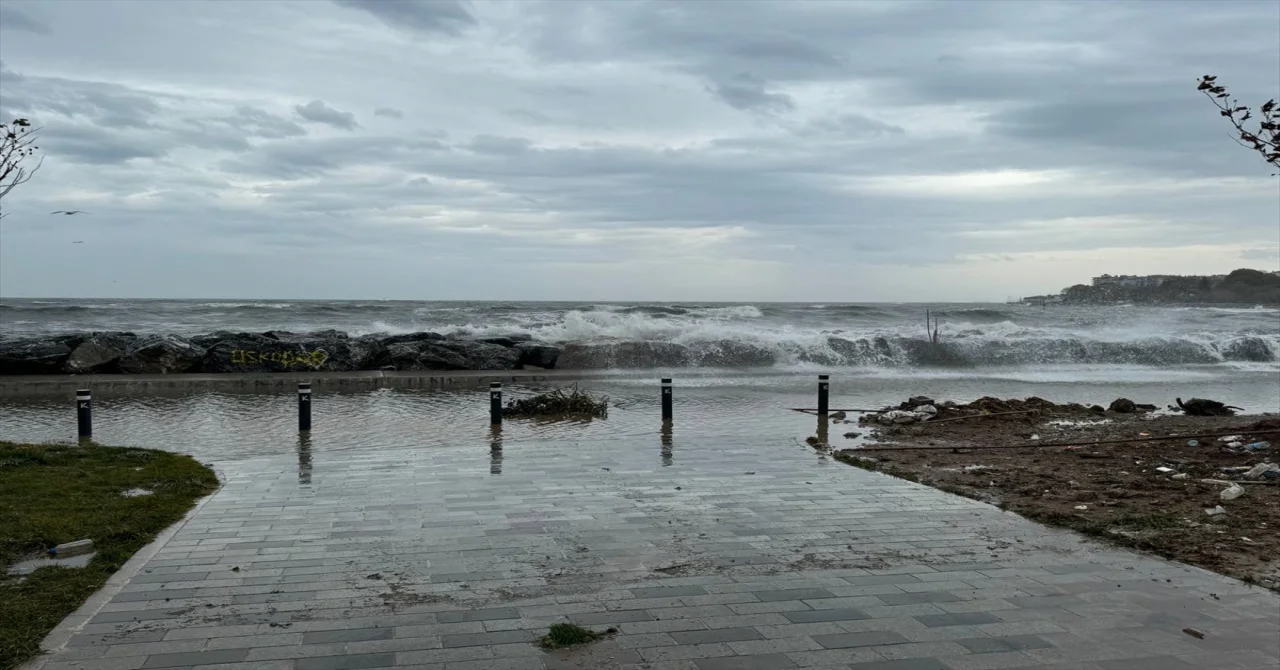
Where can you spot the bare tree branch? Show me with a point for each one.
(1264, 138)
(17, 146)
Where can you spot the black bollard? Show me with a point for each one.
(495, 403)
(304, 406)
(84, 413)
(666, 400)
(824, 390)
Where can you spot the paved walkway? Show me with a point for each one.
(702, 556)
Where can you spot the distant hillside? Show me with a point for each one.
(1243, 286)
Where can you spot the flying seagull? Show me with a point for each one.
(69, 212)
(78, 242)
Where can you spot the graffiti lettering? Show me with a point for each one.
(286, 358)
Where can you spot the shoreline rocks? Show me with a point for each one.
(271, 351)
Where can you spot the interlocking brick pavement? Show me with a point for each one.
(704, 556)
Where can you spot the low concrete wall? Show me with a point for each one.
(35, 386)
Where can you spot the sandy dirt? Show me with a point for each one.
(1131, 493)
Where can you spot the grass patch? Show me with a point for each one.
(50, 494)
(562, 635)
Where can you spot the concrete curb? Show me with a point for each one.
(28, 386)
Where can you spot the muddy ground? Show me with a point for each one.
(1113, 492)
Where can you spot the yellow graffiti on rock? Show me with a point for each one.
(286, 358)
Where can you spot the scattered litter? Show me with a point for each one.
(1035, 437)
(1257, 446)
(1260, 470)
(134, 493)
(1246, 539)
(72, 548)
(1082, 507)
(1164, 470)
(1231, 438)
(1180, 476)
(1193, 633)
(1232, 492)
(29, 566)
(1193, 443)
(1077, 423)
(1215, 511)
(1144, 434)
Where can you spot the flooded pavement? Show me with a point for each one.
(716, 405)
(724, 544)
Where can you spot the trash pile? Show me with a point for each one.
(1241, 443)
(921, 409)
(557, 405)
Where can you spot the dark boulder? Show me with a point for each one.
(537, 354)
(289, 336)
(299, 352)
(601, 355)
(410, 337)
(37, 356)
(431, 354)
(207, 341)
(506, 340)
(99, 353)
(161, 354)
(1253, 349)
(1123, 406)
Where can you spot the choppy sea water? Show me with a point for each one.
(792, 335)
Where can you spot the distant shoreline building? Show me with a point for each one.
(1134, 281)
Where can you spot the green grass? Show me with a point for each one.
(562, 635)
(50, 494)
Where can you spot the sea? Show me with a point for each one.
(873, 352)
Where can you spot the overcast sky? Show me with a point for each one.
(797, 150)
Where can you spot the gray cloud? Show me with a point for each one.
(450, 17)
(545, 140)
(747, 92)
(489, 144)
(12, 18)
(318, 112)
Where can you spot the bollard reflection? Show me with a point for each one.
(304, 458)
(667, 444)
(824, 427)
(495, 449)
